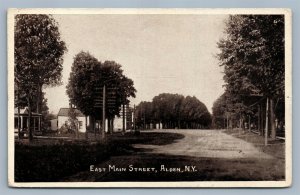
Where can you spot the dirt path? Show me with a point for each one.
(207, 143)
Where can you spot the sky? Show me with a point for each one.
(160, 53)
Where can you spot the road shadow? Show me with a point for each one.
(50, 160)
(147, 138)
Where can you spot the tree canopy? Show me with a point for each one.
(38, 49)
(88, 74)
(252, 54)
(173, 111)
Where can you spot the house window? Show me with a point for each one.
(80, 124)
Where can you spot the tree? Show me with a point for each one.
(174, 111)
(194, 113)
(38, 56)
(252, 54)
(89, 74)
(82, 82)
(144, 114)
(73, 121)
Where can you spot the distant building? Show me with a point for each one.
(63, 118)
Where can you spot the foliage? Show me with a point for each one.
(173, 111)
(73, 121)
(38, 54)
(252, 53)
(87, 74)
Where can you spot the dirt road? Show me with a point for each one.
(207, 143)
(191, 155)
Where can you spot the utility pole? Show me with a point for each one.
(103, 113)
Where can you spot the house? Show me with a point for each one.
(21, 121)
(63, 119)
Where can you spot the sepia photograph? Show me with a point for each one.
(149, 98)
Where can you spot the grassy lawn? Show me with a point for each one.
(276, 148)
(51, 159)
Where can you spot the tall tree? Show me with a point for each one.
(38, 46)
(38, 54)
(252, 54)
(82, 82)
(87, 75)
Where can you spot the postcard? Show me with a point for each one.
(149, 98)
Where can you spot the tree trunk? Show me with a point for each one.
(108, 125)
(249, 123)
(93, 125)
(272, 119)
(267, 122)
(19, 124)
(112, 125)
(86, 129)
(103, 113)
(39, 99)
(77, 129)
(262, 116)
(123, 119)
(227, 124)
(258, 117)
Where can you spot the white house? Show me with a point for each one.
(63, 118)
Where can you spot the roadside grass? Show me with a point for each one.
(45, 160)
(275, 148)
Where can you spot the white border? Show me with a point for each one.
(288, 97)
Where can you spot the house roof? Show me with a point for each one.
(24, 111)
(65, 112)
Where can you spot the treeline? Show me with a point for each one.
(170, 111)
(252, 54)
